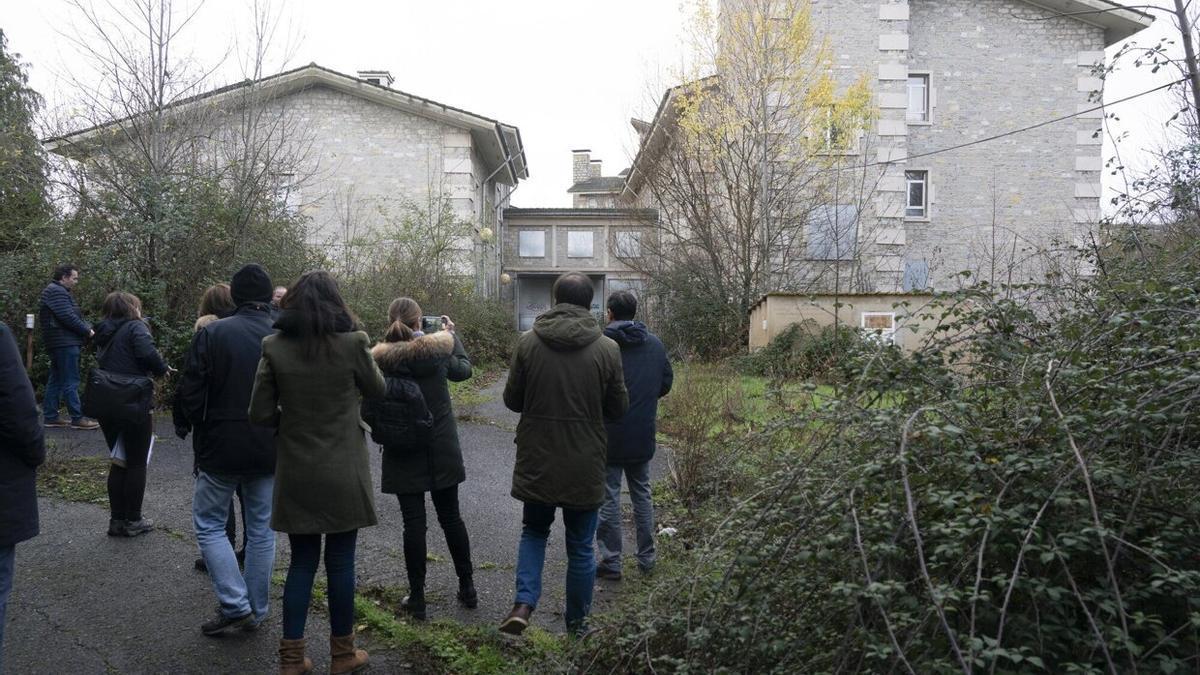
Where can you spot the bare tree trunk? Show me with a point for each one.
(1189, 50)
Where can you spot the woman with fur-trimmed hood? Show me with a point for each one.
(437, 467)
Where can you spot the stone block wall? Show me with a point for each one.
(996, 66)
(373, 157)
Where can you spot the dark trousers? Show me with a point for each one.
(339, 573)
(445, 503)
(127, 484)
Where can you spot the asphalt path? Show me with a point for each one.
(84, 602)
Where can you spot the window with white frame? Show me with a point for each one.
(918, 98)
(579, 244)
(532, 243)
(628, 244)
(879, 326)
(917, 194)
(287, 191)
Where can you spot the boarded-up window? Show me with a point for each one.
(579, 244)
(880, 326)
(832, 232)
(532, 243)
(916, 275)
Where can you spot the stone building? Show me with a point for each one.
(369, 152)
(605, 242)
(947, 76)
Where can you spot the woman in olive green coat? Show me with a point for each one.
(307, 386)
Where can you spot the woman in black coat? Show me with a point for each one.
(436, 465)
(127, 348)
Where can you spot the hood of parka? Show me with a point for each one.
(627, 332)
(566, 327)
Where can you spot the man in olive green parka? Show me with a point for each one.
(566, 380)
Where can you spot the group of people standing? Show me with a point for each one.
(274, 392)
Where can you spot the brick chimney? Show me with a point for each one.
(580, 159)
(595, 168)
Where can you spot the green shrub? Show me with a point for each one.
(804, 351)
(1016, 496)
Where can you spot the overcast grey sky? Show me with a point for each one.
(569, 73)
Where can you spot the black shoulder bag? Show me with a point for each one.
(116, 396)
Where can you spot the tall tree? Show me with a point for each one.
(750, 165)
(22, 162)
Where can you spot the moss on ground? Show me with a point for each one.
(75, 479)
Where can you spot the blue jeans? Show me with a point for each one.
(581, 562)
(339, 572)
(238, 593)
(63, 383)
(608, 532)
(7, 557)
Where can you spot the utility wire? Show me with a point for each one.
(1021, 130)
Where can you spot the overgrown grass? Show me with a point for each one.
(445, 645)
(748, 402)
(73, 478)
(470, 393)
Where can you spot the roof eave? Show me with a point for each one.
(1119, 22)
(486, 133)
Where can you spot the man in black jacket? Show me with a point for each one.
(214, 396)
(64, 333)
(21, 451)
(631, 445)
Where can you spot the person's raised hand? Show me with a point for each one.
(447, 323)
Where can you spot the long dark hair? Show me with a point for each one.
(316, 311)
(404, 313)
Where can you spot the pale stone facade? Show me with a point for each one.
(369, 149)
(979, 69)
(538, 245)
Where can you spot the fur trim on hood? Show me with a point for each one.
(204, 321)
(392, 356)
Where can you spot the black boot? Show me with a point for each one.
(414, 602)
(467, 596)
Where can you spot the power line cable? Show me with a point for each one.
(1023, 129)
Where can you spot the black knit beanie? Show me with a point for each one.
(251, 284)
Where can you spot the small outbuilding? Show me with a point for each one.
(893, 317)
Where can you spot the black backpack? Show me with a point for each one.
(400, 421)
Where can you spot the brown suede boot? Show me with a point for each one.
(292, 660)
(343, 657)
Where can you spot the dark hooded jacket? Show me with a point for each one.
(566, 381)
(22, 447)
(430, 360)
(648, 377)
(130, 351)
(213, 396)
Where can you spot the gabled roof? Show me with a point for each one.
(1118, 21)
(599, 184)
(498, 144)
(653, 137)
